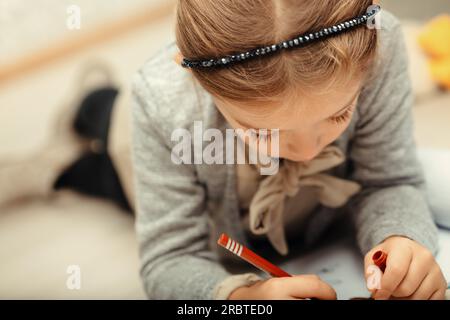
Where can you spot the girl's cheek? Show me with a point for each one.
(332, 134)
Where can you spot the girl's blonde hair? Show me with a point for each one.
(214, 28)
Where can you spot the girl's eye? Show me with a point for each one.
(344, 117)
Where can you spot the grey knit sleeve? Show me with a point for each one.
(383, 153)
(171, 215)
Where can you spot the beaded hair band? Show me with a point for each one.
(290, 44)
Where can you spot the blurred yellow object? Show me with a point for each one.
(435, 41)
(440, 71)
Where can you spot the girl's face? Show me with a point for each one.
(306, 124)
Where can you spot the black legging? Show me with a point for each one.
(94, 173)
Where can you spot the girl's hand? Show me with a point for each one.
(289, 288)
(411, 272)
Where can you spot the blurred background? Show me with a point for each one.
(43, 53)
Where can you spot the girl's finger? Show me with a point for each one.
(438, 295)
(397, 266)
(417, 272)
(432, 287)
(426, 290)
(310, 287)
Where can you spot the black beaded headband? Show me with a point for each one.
(297, 42)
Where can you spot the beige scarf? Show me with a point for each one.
(267, 206)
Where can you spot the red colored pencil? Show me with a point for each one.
(251, 257)
(379, 259)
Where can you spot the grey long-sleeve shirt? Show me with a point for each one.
(182, 209)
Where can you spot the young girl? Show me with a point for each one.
(341, 100)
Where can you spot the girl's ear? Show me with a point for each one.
(178, 58)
